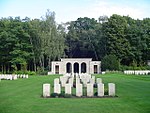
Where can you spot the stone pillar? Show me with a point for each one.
(72, 67)
(100, 89)
(53, 68)
(46, 90)
(111, 89)
(89, 90)
(57, 88)
(79, 68)
(79, 90)
(68, 89)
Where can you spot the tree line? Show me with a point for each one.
(27, 44)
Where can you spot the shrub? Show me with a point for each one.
(42, 72)
(31, 73)
(123, 67)
(147, 67)
(25, 72)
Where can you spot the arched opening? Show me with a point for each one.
(68, 68)
(57, 69)
(76, 68)
(95, 69)
(83, 68)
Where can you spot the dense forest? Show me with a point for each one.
(27, 44)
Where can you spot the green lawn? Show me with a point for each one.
(24, 96)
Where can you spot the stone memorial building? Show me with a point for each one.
(75, 65)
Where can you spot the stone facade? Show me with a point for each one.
(75, 65)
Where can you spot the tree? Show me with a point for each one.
(21, 50)
(48, 40)
(110, 62)
(81, 38)
(138, 36)
(114, 37)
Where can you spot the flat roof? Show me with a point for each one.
(76, 59)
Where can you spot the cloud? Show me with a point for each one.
(105, 7)
(71, 10)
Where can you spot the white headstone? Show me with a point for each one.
(71, 81)
(79, 91)
(85, 81)
(67, 88)
(92, 81)
(63, 80)
(103, 72)
(111, 89)
(56, 81)
(93, 77)
(89, 90)
(100, 89)
(57, 88)
(46, 90)
(14, 77)
(27, 76)
(24, 76)
(77, 80)
(11, 77)
(98, 80)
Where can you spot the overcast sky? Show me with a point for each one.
(68, 10)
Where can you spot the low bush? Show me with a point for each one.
(31, 73)
(123, 67)
(42, 72)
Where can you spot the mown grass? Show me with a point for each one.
(24, 96)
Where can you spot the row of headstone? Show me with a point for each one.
(137, 72)
(79, 89)
(12, 76)
(76, 74)
(64, 80)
